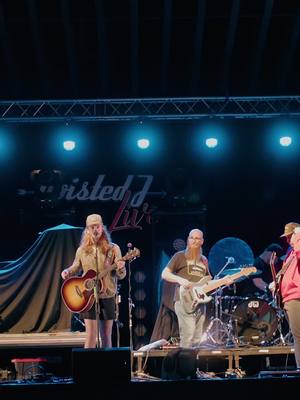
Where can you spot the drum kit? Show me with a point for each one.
(242, 321)
(237, 320)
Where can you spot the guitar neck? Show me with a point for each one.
(111, 267)
(212, 285)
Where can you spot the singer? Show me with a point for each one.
(97, 252)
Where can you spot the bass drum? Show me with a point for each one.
(255, 321)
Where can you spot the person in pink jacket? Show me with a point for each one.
(290, 289)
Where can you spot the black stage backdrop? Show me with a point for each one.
(245, 188)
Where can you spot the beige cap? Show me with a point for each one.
(289, 228)
(93, 219)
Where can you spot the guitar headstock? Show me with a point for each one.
(248, 270)
(131, 254)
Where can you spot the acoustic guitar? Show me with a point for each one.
(78, 292)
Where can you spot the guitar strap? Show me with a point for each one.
(110, 256)
(283, 270)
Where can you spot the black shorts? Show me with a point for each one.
(107, 310)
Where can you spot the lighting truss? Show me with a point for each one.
(149, 108)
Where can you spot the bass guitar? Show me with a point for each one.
(197, 294)
(78, 292)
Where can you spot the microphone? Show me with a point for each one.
(129, 246)
(95, 235)
(230, 260)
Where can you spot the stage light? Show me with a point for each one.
(211, 142)
(6, 145)
(69, 145)
(143, 143)
(285, 141)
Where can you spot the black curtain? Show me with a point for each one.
(30, 299)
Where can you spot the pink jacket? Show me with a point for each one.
(290, 283)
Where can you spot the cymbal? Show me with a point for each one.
(235, 270)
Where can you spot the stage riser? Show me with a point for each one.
(60, 363)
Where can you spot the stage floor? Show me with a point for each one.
(42, 339)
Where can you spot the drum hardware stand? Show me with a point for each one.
(284, 340)
(233, 339)
(217, 329)
(220, 326)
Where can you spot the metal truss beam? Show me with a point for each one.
(149, 108)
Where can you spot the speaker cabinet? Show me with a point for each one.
(110, 365)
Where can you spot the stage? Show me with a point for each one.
(250, 365)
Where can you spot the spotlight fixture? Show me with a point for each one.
(143, 143)
(211, 142)
(69, 145)
(285, 141)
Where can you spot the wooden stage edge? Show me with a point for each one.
(63, 338)
(76, 339)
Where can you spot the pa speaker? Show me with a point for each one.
(180, 363)
(111, 365)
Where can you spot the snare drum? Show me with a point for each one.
(255, 321)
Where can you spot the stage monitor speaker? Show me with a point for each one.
(109, 365)
(279, 374)
(180, 363)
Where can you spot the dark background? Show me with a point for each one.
(140, 48)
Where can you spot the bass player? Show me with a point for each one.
(185, 269)
(97, 252)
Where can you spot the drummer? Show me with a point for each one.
(258, 285)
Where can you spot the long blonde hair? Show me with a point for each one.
(87, 241)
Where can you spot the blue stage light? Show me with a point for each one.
(143, 143)
(211, 142)
(69, 145)
(285, 141)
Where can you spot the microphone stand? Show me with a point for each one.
(130, 306)
(222, 269)
(118, 323)
(97, 303)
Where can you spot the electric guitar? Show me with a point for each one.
(276, 282)
(196, 295)
(78, 292)
(276, 291)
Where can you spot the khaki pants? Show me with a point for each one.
(190, 325)
(292, 308)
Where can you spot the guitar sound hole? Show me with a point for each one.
(89, 284)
